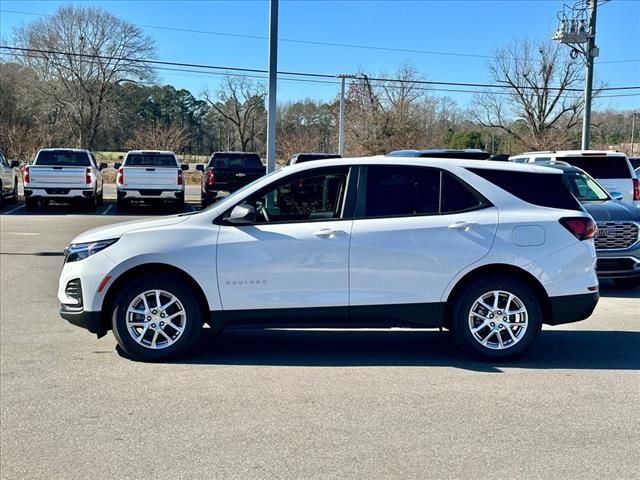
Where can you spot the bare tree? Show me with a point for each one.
(240, 102)
(79, 54)
(537, 106)
(171, 137)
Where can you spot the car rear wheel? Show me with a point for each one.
(496, 318)
(156, 317)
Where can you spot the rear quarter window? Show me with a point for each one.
(542, 189)
(601, 167)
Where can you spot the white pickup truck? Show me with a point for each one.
(63, 174)
(8, 180)
(150, 176)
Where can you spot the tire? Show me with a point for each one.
(493, 325)
(122, 205)
(30, 204)
(100, 199)
(148, 328)
(89, 204)
(627, 282)
(179, 206)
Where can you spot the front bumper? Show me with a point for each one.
(91, 321)
(571, 308)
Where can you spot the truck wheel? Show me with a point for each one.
(14, 195)
(179, 206)
(30, 204)
(156, 317)
(101, 198)
(496, 318)
(91, 204)
(122, 205)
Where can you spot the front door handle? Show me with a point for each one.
(463, 225)
(328, 233)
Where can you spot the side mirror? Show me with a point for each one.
(200, 167)
(15, 164)
(103, 166)
(617, 196)
(117, 165)
(244, 214)
(184, 166)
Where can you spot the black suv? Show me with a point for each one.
(228, 172)
(308, 157)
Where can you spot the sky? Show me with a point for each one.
(461, 36)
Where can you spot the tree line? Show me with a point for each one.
(80, 81)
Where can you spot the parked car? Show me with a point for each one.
(308, 157)
(617, 240)
(610, 168)
(150, 176)
(227, 172)
(466, 153)
(63, 174)
(8, 180)
(475, 247)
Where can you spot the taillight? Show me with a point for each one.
(583, 228)
(211, 179)
(87, 176)
(179, 177)
(120, 177)
(25, 175)
(636, 189)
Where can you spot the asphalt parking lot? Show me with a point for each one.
(292, 404)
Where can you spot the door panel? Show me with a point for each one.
(293, 265)
(413, 259)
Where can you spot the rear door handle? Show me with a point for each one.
(328, 233)
(463, 225)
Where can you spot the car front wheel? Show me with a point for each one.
(156, 317)
(496, 318)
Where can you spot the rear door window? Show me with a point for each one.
(602, 166)
(55, 158)
(150, 160)
(406, 191)
(542, 189)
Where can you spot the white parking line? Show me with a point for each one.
(106, 210)
(24, 234)
(14, 210)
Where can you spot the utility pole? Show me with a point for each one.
(273, 80)
(342, 78)
(633, 130)
(591, 54)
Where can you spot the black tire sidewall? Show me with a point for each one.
(463, 336)
(176, 287)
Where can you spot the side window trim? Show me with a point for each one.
(349, 183)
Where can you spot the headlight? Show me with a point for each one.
(80, 251)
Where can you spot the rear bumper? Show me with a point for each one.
(59, 193)
(150, 194)
(571, 308)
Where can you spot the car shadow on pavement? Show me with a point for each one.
(555, 349)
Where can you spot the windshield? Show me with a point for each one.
(62, 158)
(230, 199)
(150, 160)
(584, 188)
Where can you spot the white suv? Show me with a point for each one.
(474, 247)
(610, 168)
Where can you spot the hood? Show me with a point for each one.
(612, 210)
(118, 229)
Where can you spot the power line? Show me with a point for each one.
(300, 74)
(313, 42)
(208, 74)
